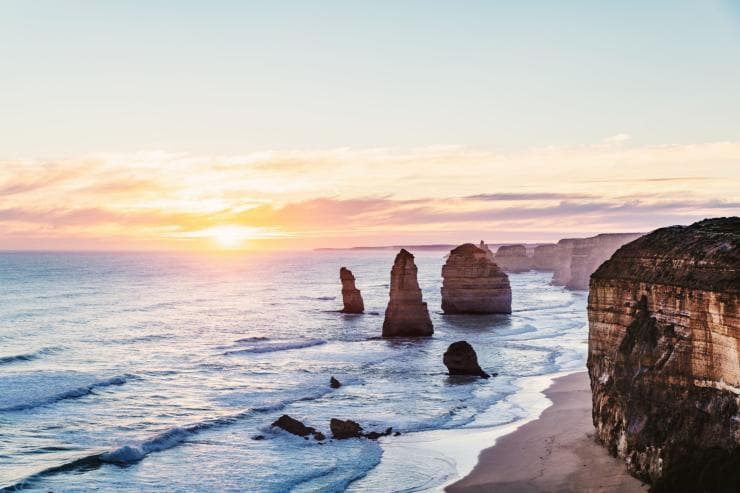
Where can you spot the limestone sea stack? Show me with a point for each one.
(473, 283)
(563, 253)
(350, 294)
(513, 258)
(544, 257)
(406, 315)
(663, 352)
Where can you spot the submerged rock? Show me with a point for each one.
(513, 258)
(460, 359)
(341, 429)
(351, 296)
(406, 315)
(334, 383)
(664, 346)
(295, 427)
(473, 283)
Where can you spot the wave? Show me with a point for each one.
(252, 339)
(6, 360)
(276, 346)
(69, 394)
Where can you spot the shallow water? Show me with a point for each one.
(138, 371)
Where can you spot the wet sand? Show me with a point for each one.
(555, 453)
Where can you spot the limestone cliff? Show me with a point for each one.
(513, 258)
(544, 257)
(577, 258)
(473, 283)
(351, 296)
(406, 315)
(664, 353)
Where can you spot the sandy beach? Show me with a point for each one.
(553, 453)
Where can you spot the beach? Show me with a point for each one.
(556, 452)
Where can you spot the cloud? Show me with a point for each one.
(617, 139)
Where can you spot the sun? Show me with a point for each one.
(228, 236)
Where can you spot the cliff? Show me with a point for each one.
(577, 258)
(513, 258)
(406, 315)
(351, 296)
(664, 347)
(473, 283)
(545, 257)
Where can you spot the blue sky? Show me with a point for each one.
(230, 77)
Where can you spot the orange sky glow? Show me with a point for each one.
(349, 197)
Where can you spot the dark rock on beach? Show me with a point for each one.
(295, 427)
(341, 429)
(334, 383)
(460, 359)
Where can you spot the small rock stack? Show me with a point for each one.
(351, 296)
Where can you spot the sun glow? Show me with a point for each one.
(229, 236)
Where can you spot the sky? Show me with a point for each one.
(223, 124)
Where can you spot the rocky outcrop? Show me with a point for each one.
(473, 283)
(513, 258)
(406, 315)
(664, 353)
(343, 429)
(482, 245)
(295, 427)
(334, 383)
(460, 359)
(577, 258)
(544, 257)
(350, 294)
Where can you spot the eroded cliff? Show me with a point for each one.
(664, 353)
(473, 283)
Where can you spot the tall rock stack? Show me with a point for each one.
(664, 347)
(563, 254)
(406, 315)
(513, 258)
(351, 296)
(545, 257)
(473, 283)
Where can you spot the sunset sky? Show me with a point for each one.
(189, 125)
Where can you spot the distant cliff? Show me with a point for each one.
(664, 353)
(577, 258)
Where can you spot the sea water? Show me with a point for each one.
(162, 372)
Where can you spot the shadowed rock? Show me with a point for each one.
(350, 294)
(334, 383)
(473, 283)
(295, 427)
(406, 315)
(341, 429)
(664, 346)
(460, 359)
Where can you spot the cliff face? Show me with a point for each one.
(664, 356)
(513, 258)
(473, 283)
(577, 258)
(406, 315)
(351, 296)
(545, 257)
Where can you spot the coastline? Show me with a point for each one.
(553, 452)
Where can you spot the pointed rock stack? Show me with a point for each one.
(473, 283)
(406, 315)
(350, 294)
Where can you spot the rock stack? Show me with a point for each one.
(460, 359)
(350, 294)
(406, 315)
(563, 253)
(473, 283)
(663, 352)
(545, 257)
(513, 258)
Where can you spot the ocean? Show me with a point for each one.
(157, 371)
